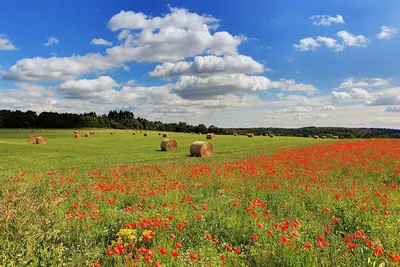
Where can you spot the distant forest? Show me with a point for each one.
(127, 120)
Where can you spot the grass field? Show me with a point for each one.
(63, 151)
(116, 200)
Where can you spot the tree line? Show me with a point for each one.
(126, 120)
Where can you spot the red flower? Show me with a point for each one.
(208, 236)
(96, 265)
(163, 251)
(229, 248)
(270, 233)
(378, 251)
(172, 236)
(254, 237)
(307, 245)
(295, 233)
(346, 239)
(109, 252)
(178, 245)
(284, 239)
(237, 251)
(351, 246)
(222, 257)
(174, 253)
(193, 256)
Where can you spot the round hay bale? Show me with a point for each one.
(271, 135)
(250, 135)
(164, 135)
(335, 137)
(87, 135)
(234, 134)
(316, 136)
(77, 135)
(169, 145)
(210, 136)
(32, 138)
(146, 134)
(159, 133)
(42, 130)
(41, 140)
(323, 137)
(201, 149)
(92, 133)
(133, 133)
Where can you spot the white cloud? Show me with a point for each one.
(58, 68)
(349, 40)
(326, 20)
(100, 41)
(363, 83)
(292, 86)
(5, 43)
(101, 89)
(385, 99)
(387, 32)
(353, 40)
(355, 93)
(208, 65)
(307, 44)
(51, 40)
(293, 110)
(328, 108)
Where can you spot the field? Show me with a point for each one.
(117, 200)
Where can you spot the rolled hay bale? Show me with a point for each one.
(133, 133)
(77, 135)
(201, 149)
(309, 136)
(335, 137)
(250, 135)
(210, 136)
(42, 130)
(92, 133)
(112, 133)
(198, 133)
(316, 136)
(159, 133)
(87, 134)
(169, 145)
(271, 135)
(32, 138)
(164, 135)
(41, 140)
(323, 137)
(234, 134)
(146, 134)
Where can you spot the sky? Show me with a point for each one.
(233, 63)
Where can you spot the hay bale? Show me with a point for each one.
(133, 133)
(41, 140)
(146, 134)
(32, 138)
(77, 136)
(271, 135)
(201, 149)
(159, 133)
(42, 130)
(112, 133)
(234, 134)
(316, 136)
(210, 136)
(335, 137)
(323, 137)
(169, 145)
(92, 133)
(250, 135)
(164, 135)
(87, 135)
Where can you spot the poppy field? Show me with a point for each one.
(318, 204)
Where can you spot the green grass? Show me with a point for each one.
(103, 150)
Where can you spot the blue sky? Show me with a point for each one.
(228, 63)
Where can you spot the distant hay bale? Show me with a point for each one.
(41, 140)
(201, 149)
(159, 133)
(140, 131)
(250, 135)
(77, 136)
(133, 133)
(234, 134)
(198, 133)
(87, 135)
(112, 133)
(309, 136)
(316, 136)
(146, 134)
(92, 133)
(42, 130)
(323, 137)
(210, 136)
(335, 137)
(271, 135)
(169, 145)
(164, 135)
(192, 132)
(32, 138)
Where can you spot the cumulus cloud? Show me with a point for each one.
(208, 65)
(348, 40)
(352, 82)
(294, 110)
(292, 86)
(355, 93)
(326, 20)
(6, 43)
(51, 40)
(328, 108)
(101, 88)
(170, 38)
(385, 99)
(387, 32)
(100, 41)
(58, 68)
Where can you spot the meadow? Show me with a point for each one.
(117, 200)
